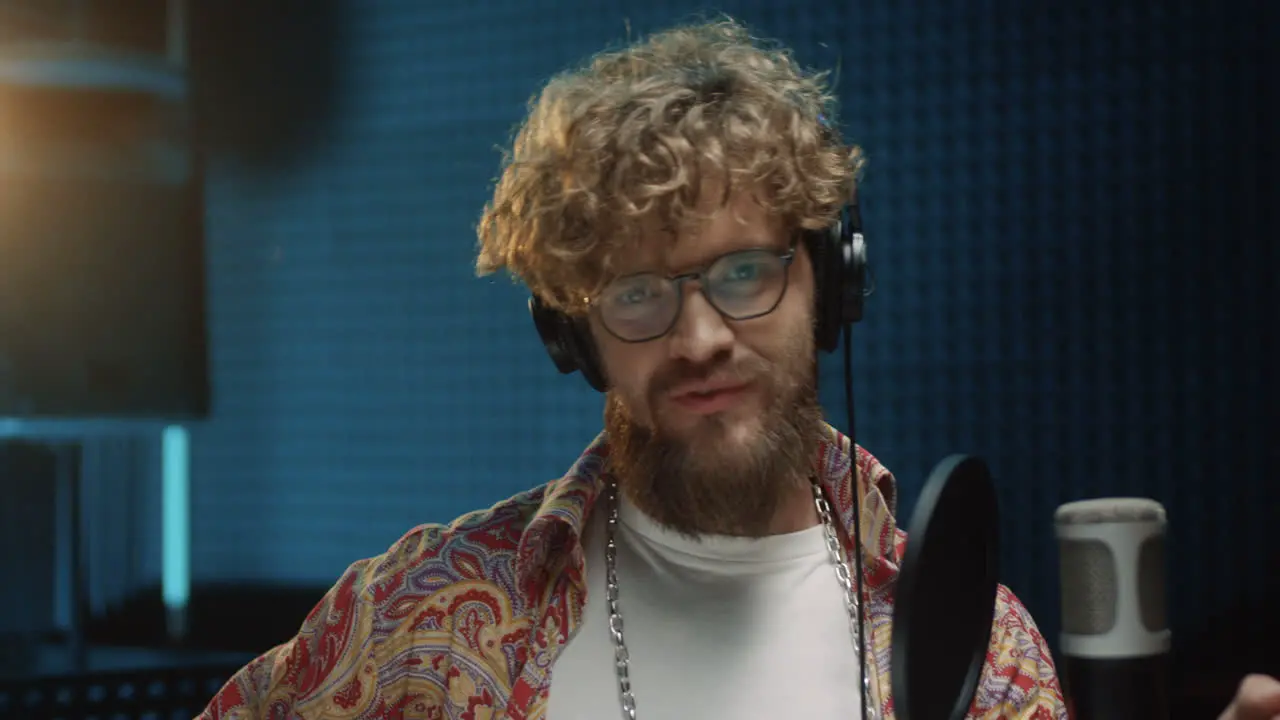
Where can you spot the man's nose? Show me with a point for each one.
(701, 332)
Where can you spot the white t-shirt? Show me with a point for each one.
(721, 627)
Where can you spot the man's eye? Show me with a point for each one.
(743, 271)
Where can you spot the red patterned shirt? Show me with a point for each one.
(464, 622)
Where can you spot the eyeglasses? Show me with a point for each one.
(740, 285)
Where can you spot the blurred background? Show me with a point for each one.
(242, 343)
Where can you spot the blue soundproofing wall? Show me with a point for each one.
(1041, 186)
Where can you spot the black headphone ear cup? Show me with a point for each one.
(550, 325)
(857, 281)
(839, 258)
(568, 342)
(853, 249)
(588, 357)
(824, 254)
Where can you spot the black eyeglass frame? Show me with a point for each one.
(787, 257)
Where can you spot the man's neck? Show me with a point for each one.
(798, 512)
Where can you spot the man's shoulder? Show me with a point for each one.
(1017, 630)
(1019, 679)
(433, 571)
(481, 545)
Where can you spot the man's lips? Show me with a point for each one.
(708, 398)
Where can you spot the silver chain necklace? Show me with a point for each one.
(852, 603)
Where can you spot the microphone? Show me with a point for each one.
(1115, 636)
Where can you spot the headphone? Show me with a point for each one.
(842, 282)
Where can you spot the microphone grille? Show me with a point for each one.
(1090, 592)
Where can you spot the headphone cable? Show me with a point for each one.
(857, 515)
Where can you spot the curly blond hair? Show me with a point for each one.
(635, 135)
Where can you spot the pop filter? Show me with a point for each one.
(946, 593)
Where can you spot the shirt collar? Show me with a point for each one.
(557, 526)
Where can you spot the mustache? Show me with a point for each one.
(679, 372)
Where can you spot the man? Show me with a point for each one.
(658, 198)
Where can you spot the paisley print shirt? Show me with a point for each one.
(464, 621)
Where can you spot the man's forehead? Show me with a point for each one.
(738, 224)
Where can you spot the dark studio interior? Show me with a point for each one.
(243, 343)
